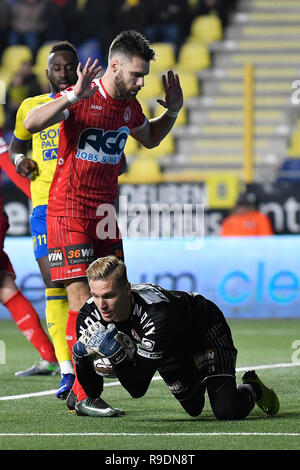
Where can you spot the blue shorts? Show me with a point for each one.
(38, 226)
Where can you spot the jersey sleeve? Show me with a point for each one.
(66, 112)
(20, 132)
(10, 170)
(136, 375)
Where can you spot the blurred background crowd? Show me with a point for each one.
(90, 25)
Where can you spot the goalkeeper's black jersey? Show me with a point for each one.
(164, 323)
(169, 328)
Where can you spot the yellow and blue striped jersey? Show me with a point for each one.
(44, 149)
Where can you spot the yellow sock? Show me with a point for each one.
(56, 316)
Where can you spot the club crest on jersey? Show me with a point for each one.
(127, 114)
(96, 145)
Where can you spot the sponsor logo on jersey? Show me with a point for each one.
(56, 258)
(79, 254)
(205, 359)
(177, 387)
(95, 106)
(149, 354)
(50, 154)
(148, 344)
(49, 143)
(147, 324)
(99, 146)
(127, 114)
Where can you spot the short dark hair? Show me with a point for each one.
(130, 43)
(63, 46)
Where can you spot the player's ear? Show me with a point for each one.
(114, 65)
(128, 288)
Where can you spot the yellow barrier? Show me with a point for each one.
(248, 122)
(222, 190)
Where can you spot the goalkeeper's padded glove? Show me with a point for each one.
(114, 345)
(82, 347)
(79, 351)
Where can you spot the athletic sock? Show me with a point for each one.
(29, 324)
(71, 340)
(71, 330)
(57, 315)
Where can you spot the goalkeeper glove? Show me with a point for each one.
(111, 343)
(83, 347)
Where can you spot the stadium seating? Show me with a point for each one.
(261, 33)
(42, 55)
(208, 134)
(193, 56)
(289, 170)
(190, 84)
(206, 29)
(166, 147)
(88, 49)
(11, 61)
(181, 118)
(152, 88)
(142, 170)
(146, 108)
(164, 57)
(41, 61)
(2, 115)
(294, 143)
(14, 56)
(131, 147)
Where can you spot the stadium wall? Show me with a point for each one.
(246, 277)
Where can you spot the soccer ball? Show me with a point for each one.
(102, 366)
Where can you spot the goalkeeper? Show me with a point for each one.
(144, 328)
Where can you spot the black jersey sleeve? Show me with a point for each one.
(135, 376)
(149, 331)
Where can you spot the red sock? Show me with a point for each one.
(80, 393)
(71, 330)
(29, 323)
(71, 340)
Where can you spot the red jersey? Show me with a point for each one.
(91, 144)
(3, 149)
(10, 170)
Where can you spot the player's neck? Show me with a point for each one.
(110, 87)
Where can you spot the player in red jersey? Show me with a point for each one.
(96, 116)
(21, 310)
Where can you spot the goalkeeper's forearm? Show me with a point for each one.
(91, 382)
(135, 378)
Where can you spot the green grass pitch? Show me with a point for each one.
(155, 422)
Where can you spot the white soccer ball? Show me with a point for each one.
(102, 366)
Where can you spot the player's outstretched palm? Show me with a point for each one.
(86, 75)
(173, 92)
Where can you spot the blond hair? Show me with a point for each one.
(102, 268)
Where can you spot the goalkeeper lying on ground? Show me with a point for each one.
(144, 328)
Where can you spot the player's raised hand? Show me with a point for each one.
(173, 92)
(83, 88)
